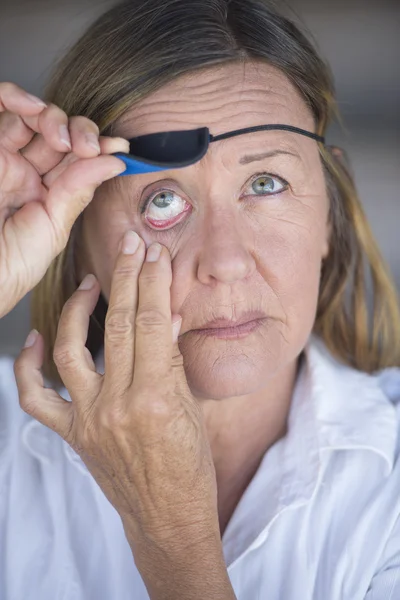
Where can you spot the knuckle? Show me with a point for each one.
(84, 124)
(118, 323)
(28, 404)
(14, 122)
(9, 88)
(150, 319)
(124, 268)
(9, 119)
(52, 113)
(150, 277)
(11, 124)
(114, 417)
(6, 120)
(65, 357)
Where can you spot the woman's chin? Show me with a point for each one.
(227, 376)
(222, 368)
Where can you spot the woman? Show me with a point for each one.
(256, 456)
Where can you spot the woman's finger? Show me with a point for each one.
(76, 371)
(55, 216)
(43, 404)
(153, 331)
(25, 115)
(14, 101)
(86, 141)
(14, 133)
(73, 190)
(17, 100)
(18, 129)
(42, 156)
(119, 339)
(84, 137)
(109, 145)
(53, 124)
(45, 159)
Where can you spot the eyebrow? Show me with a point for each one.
(248, 158)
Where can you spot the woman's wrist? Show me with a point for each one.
(191, 566)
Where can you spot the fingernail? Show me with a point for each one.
(116, 172)
(36, 100)
(130, 243)
(125, 145)
(93, 141)
(64, 136)
(88, 282)
(153, 253)
(176, 327)
(31, 339)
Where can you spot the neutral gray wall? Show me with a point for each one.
(360, 39)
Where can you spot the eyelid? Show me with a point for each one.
(154, 193)
(273, 176)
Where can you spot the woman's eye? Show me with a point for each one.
(164, 207)
(267, 184)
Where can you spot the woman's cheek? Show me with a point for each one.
(291, 264)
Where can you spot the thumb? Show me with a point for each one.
(74, 189)
(43, 404)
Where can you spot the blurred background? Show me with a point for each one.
(359, 38)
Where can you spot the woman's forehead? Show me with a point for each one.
(221, 99)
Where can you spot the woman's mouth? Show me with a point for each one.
(232, 333)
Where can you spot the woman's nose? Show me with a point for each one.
(226, 253)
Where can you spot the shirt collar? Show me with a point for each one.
(353, 410)
(333, 407)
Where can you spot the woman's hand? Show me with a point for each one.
(49, 170)
(137, 427)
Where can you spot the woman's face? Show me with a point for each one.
(240, 238)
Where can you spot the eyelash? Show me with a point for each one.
(285, 183)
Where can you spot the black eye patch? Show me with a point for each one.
(177, 149)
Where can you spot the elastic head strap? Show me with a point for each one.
(224, 136)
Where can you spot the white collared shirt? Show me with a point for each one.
(318, 521)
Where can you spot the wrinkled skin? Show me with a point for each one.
(50, 167)
(245, 236)
(235, 249)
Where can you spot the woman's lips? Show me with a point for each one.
(232, 333)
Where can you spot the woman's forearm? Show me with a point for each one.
(188, 570)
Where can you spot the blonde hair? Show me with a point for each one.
(140, 45)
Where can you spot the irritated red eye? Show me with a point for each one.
(165, 209)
